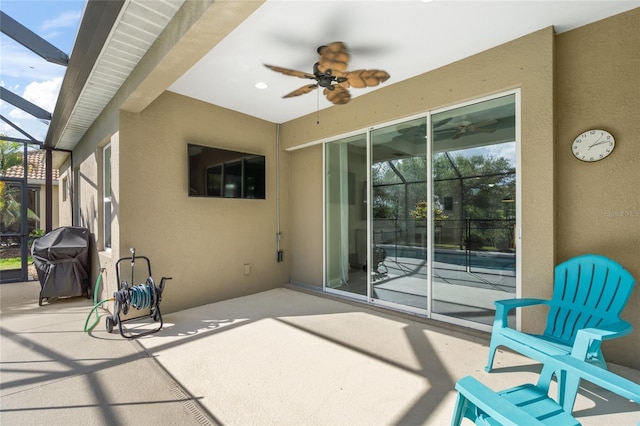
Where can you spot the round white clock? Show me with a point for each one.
(593, 145)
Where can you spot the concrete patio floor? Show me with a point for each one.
(281, 357)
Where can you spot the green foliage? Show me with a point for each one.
(482, 182)
(479, 187)
(34, 235)
(13, 263)
(10, 154)
(420, 212)
(10, 211)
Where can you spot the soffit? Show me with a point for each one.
(137, 27)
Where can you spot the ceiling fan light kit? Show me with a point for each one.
(330, 73)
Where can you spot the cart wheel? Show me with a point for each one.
(109, 325)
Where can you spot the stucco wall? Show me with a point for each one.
(89, 180)
(305, 177)
(598, 204)
(525, 63)
(203, 243)
(42, 202)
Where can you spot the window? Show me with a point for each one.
(106, 191)
(65, 189)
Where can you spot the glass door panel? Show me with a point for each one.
(398, 257)
(12, 239)
(474, 188)
(19, 208)
(346, 215)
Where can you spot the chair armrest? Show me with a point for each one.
(606, 331)
(504, 306)
(587, 337)
(598, 376)
(496, 407)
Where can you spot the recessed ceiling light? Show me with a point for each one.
(261, 85)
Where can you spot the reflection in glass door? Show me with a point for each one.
(346, 215)
(474, 189)
(398, 255)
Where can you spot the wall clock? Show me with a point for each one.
(593, 145)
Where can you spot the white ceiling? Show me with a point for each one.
(404, 38)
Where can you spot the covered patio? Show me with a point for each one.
(286, 356)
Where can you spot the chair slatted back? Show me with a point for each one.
(589, 290)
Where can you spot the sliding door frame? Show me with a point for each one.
(427, 115)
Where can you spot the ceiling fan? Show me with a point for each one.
(330, 72)
(466, 127)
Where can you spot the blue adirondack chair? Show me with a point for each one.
(530, 404)
(590, 292)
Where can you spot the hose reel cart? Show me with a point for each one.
(146, 295)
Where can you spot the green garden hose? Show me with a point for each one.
(96, 305)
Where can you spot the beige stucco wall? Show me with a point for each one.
(598, 204)
(42, 201)
(525, 63)
(203, 243)
(305, 177)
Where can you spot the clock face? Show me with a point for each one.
(593, 145)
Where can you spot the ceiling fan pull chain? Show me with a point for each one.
(318, 107)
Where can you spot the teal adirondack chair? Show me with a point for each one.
(590, 292)
(530, 404)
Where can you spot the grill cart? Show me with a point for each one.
(61, 258)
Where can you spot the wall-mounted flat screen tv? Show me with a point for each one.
(215, 172)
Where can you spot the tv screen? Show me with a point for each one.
(215, 172)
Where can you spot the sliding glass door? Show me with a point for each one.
(398, 256)
(474, 197)
(346, 215)
(421, 214)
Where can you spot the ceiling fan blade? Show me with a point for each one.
(334, 57)
(301, 91)
(338, 96)
(442, 122)
(367, 78)
(453, 129)
(343, 83)
(481, 130)
(293, 73)
(484, 123)
(470, 131)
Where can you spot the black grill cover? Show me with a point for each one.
(61, 258)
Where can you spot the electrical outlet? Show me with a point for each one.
(247, 268)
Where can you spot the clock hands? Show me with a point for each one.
(598, 142)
